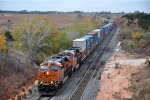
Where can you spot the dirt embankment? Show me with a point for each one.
(116, 80)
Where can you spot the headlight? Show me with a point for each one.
(47, 72)
(51, 82)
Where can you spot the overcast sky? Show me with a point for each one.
(76, 5)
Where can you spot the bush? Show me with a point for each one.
(143, 19)
(9, 36)
(3, 43)
(140, 85)
(136, 35)
(145, 89)
(144, 23)
(146, 37)
(13, 76)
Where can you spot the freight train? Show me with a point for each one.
(58, 68)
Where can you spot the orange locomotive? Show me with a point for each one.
(56, 70)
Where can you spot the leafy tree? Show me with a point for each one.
(92, 24)
(60, 41)
(33, 35)
(81, 28)
(2, 43)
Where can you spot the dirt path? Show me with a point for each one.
(116, 76)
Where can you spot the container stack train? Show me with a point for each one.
(58, 68)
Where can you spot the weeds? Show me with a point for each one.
(140, 85)
(145, 89)
(13, 77)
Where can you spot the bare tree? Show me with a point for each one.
(33, 35)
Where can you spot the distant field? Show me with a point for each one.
(60, 20)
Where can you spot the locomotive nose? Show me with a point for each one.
(48, 78)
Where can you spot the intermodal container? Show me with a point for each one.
(98, 31)
(81, 43)
(90, 38)
(87, 42)
(105, 28)
(94, 36)
(102, 33)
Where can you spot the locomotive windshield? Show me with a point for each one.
(43, 68)
(54, 68)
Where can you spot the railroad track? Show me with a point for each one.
(91, 72)
(44, 98)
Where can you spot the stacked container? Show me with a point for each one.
(87, 45)
(105, 29)
(102, 33)
(81, 43)
(98, 31)
(90, 38)
(94, 36)
(87, 42)
(110, 25)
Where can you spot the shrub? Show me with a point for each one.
(143, 19)
(2, 43)
(146, 37)
(136, 35)
(9, 36)
(145, 89)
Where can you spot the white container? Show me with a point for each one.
(98, 32)
(80, 43)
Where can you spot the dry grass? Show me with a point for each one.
(14, 77)
(140, 85)
(60, 20)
